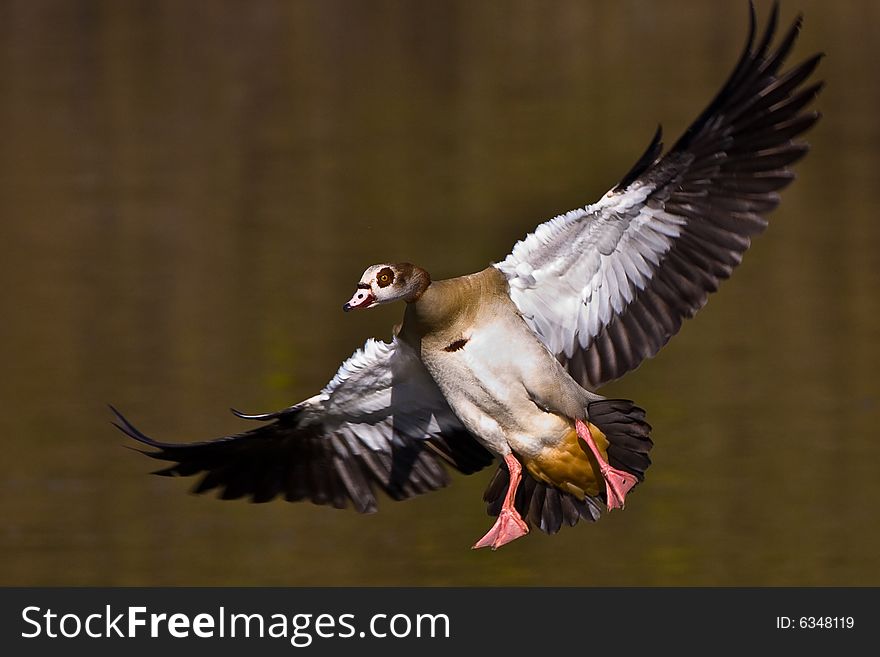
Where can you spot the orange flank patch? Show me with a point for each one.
(569, 465)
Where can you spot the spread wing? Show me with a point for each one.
(606, 286)
(381, 423)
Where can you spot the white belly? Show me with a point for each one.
(484, 383)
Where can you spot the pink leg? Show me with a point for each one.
(509, 526)
(617, 482)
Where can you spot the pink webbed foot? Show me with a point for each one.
(508, 527)
(617, 485)
(617, 482)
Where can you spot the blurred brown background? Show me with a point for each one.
(190, 190)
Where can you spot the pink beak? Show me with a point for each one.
(363, 298)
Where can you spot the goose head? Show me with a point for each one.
(386, 282)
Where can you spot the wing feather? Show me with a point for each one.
(606, 286)
(381, 423)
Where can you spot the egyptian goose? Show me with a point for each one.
(502, 363)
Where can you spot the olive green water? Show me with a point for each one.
(190, 191)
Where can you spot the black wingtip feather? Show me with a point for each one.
(647, 159)
(769, 31)
(130, 430)
(254, 416)
(721, 178)
(300, 463)
(740, 69)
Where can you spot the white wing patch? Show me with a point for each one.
(381, 395)
(606, 286)
(575, 272)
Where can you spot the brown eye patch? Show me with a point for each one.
(385, 277)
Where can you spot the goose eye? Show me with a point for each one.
(385, 277)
